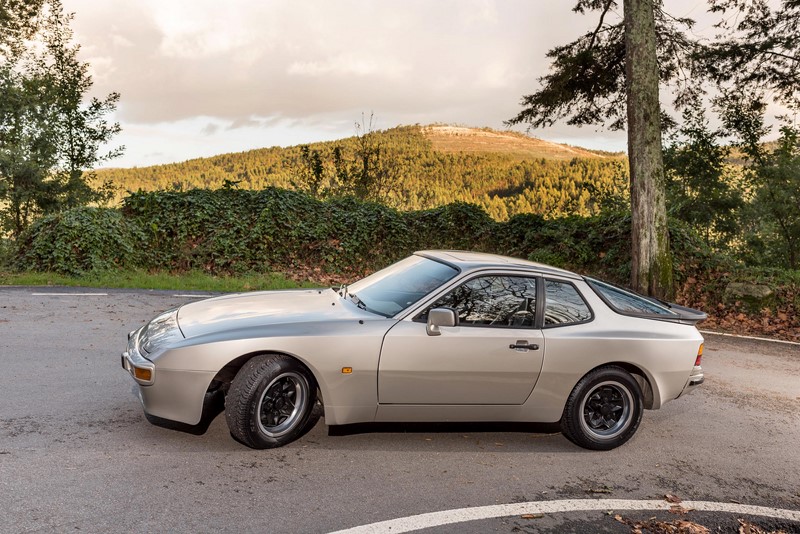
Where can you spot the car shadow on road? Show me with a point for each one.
(497, 436)
(442, 428)
(450, 436)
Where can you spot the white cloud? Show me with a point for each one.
(348, 64)
(202, 75)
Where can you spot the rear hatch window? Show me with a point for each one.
(629, 303)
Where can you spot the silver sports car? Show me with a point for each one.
(438, 336)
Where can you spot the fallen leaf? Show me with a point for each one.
(532, 516)
(691, 528)
(746, 527)
(652, 525)
(672, 498)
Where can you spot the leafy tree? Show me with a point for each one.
(311, 172)
(366, 169)
(778, 194)
(18, 21)
(27, 150)
(49, 137)
(701, 187)
(82, 128)
(773, 175)
(758, 53)
(759, 47)
(370, 172)
(611, 75)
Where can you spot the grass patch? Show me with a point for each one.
(194, 280)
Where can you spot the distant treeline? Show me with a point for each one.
(503, 184)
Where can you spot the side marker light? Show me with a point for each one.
(143, 374)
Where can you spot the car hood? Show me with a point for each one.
(247, 310)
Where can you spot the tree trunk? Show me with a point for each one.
(651, 268)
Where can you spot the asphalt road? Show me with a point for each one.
(77, 455)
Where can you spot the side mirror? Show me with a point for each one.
(440, 317)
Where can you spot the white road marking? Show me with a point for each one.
(65, 294)
(749, 337)
(461, 515)
(69, 294)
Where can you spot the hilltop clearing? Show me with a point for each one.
(447, 138)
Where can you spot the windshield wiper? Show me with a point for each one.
(659, 301)
(358, 302)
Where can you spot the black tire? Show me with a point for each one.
(604, 409)
(271, 402)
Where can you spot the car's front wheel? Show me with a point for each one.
(271, 402)
(604, 409)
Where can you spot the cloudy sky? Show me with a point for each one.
(204, 77)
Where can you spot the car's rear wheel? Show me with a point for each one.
(271, 402)
(604, 409)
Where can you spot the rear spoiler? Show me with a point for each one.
(687, 315)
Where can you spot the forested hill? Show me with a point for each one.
(506, 173)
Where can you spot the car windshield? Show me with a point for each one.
(395, 288)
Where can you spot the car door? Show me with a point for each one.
(492, 357)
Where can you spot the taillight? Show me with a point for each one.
(699, 356)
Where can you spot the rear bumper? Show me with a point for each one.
(696, 377)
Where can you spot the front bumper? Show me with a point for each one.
(142, 370)
(171, 394)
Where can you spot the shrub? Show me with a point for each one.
(80, 240)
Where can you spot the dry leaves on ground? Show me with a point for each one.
(746, 527)
(654, 526)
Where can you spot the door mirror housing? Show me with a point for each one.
(440, 317)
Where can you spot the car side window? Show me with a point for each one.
(500, 301)
(563, 304)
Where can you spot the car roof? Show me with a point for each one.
(468, 261)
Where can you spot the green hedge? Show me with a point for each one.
(80, 240)
(229, 231)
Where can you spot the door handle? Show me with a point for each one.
(523, 345)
